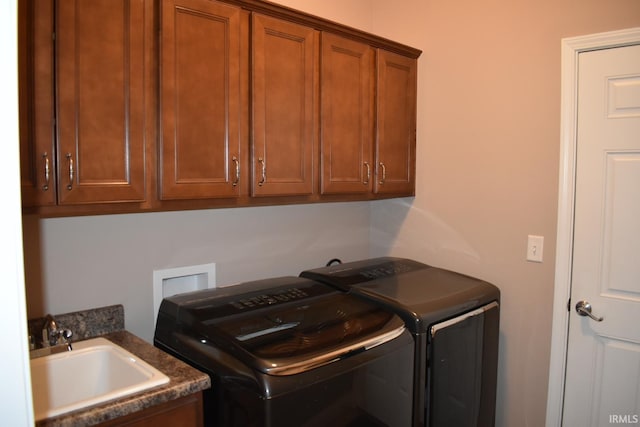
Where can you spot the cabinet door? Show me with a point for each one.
(35, 62)
(346, 80)
(284, 97)
(201, 99)
(185, 411)
(100, 77)
(396, 124)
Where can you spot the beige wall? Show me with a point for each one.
(354, 13)
(488, 150)
(488, 155)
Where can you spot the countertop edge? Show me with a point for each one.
(184, 380)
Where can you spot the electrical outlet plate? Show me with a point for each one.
(535, 245)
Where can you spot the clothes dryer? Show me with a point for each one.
(454, 320)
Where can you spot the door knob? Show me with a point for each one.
(584, 309)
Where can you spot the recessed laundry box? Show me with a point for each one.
(454, 320)
(290, 351)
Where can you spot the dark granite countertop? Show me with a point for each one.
(184, 380)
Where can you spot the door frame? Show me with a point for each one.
(571, 48)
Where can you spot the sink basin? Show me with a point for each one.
(95, 371)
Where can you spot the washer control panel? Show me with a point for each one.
(269, 299)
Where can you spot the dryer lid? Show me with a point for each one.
(419, 293)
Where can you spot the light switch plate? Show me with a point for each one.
(535, 246)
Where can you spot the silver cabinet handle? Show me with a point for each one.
(71, 171)
(264, 171)
(47, 175)
(234, 159)
(583, 308)
(368, 176)
(384, 173)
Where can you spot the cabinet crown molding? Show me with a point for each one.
(322, 24)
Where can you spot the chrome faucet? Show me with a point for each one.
(53, 335)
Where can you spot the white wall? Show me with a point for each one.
(15, 393)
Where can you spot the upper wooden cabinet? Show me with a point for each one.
(141, 105)
(96, 150)
(100, 77)
(347, 94)
(83, 131)
(356, 158)
(396, 124)
(284, 91)
(201, 88)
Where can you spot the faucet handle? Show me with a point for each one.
(53, 335)
(49, 331)
(66, 334)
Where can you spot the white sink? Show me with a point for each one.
(95, 371)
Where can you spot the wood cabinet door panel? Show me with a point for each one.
(100, 77)
(37, 142)
(201, 105)
(346, 80)
(396, 124)
(185, 411)
(284, 94)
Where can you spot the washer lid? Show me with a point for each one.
(290, 329)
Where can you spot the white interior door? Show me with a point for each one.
(603, 357)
